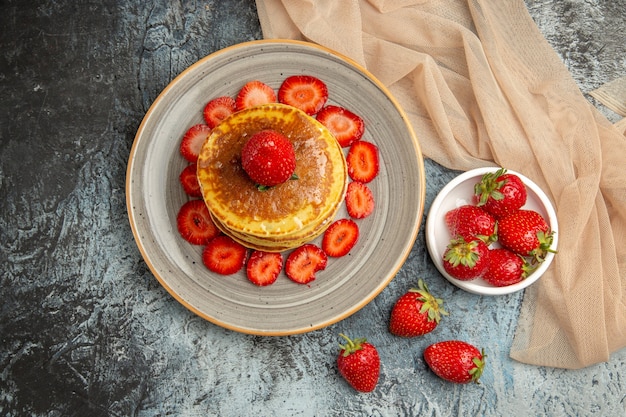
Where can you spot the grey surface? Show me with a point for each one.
(86, 330)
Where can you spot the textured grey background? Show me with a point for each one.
(86, 330)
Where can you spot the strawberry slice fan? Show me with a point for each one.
(506, 99)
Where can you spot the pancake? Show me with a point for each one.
(284, 216)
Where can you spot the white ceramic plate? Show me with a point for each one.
(458, 192)
(154, 195)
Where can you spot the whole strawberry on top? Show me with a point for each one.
(358, 362)
(416, 313)
(527, 233)
(268, 158)
(500, 193)
(471, 222)
(466, 260)
(455, 361)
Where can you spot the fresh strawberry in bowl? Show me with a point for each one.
(523, 221)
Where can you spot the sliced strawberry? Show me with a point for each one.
(304, 92)
(362, 160)
(254, 93)
(224, 256)
(189, 181)
(304, 262)
(218, 109)
(345, 126)
(194, 223)
(340, 238)
(192, 141)
(359, 200)
(263, 267)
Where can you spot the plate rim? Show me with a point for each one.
(402, 257)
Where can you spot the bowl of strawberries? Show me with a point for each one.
(492, 231)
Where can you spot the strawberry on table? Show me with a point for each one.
(466, 260)
(345, 126)
(194, 223)
(455, 361)
(218, 109)
(362, 161)
(471, 222)
(192, 141)
(527, 233)
(268, 158)
(359, 363)
(340, 237)
(263, 267)
(416, 313)
(304, 262)
(254, 93)
(359, 200)
(506, 268)
(224, 256)
(189, 180)
(500, 193)
(304, 92)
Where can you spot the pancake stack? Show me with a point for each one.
(284, 216)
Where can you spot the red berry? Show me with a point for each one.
(362, 161)
(340, 237)
(304, 262)
(268, 158)
(254, 93)
(500, 193)
(304, 92)
(527, 233)
(218, 109)
(506, 268)
(359, 363)
(466, 260)
(192, 142)
(471, 222)
(189, 180)
(455, 361)
(194, 223)
(345, 126)
(224, 256)
(416, 313)
(359, 200)
(263, 267)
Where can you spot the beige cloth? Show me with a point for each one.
(483, 87)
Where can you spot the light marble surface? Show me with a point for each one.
(85, 329)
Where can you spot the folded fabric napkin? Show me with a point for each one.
(482, 86)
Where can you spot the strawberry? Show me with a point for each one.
(471, 222)
(254, 93)
(416, 313)
(500, 193)
(466, 260)
(526, 232)
(268, 158)
(189, 180)
(345, 126)
(455, 361)
(194, 223)
(304, 262)
(304, 92)
(506, 268)
(340, 237)
(359, 363)
(263, 267)
(218, 109)
(192, 141)
(224, 256)
(362, 160)
(359, 200)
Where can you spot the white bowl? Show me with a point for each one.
(459, 192)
